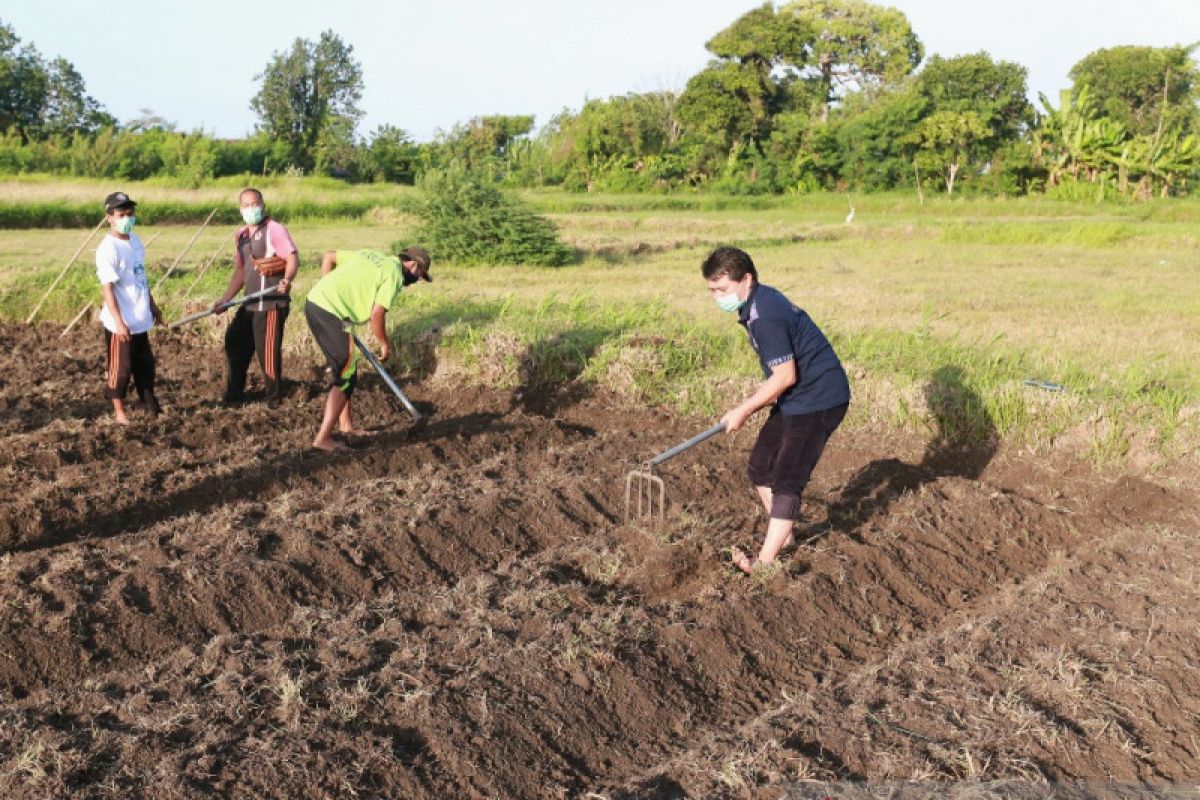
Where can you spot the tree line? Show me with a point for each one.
(809, 95)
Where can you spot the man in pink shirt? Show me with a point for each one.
(265, 258)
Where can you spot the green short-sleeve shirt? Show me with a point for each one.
(362, 280)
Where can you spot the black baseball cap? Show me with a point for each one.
(421, 257)
(117, 200)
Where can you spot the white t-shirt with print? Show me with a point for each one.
(123, 263)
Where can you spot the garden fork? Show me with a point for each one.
(645, 492)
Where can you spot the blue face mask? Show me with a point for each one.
(252, 215)
(124, 225)
(729, 302)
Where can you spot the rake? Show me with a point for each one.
(645, 493)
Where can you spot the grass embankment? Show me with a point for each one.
(942, 311)
(42, 202)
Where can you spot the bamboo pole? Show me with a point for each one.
(195, 236)
(207, 264)
(78, 317)
(74, 258)
(150, 241)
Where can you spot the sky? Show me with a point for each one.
(428, 64)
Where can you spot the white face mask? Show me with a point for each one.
(252, 215)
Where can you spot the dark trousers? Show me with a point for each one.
(787, 450)
(130, 358)
(252, 332)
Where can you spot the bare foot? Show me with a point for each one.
(329, 445)
(743, 561)
(761, 538)
(120, 418)
(358, 433)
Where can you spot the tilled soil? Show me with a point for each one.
(200, 605)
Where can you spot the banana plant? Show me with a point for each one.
(1161, 162)
(1072, 140)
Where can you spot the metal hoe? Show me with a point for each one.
(239, 301)
(645, 493)
(374, 362)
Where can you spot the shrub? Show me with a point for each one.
(467, 219)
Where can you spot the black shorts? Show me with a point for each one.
(336, 344)
(787, 450)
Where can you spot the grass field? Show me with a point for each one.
(984, 294)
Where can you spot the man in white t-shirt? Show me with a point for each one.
(129, 311)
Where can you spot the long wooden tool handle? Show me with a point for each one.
(74, 258)
(204, 269)
(78, 317)
(195, 236)
(688, 445)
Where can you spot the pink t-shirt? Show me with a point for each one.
(279, 239)
(271, 239)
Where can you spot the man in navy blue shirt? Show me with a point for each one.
(804, 385)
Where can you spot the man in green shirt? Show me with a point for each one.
(356, 287)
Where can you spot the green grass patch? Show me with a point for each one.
(959, 393)
(1078, 234)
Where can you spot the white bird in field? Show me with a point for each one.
(850, 216)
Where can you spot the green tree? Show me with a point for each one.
(1146, 89)
(618, 136)
(68, 108)
(1076, 144)
(731, 103)
(875, 145)
(994, 90)
(483, 143)
(948, 140)
(392, 155)
(39, 99)
(728, 103)
(309, 99)
(22, 84)
(772, 64)
(855, 45)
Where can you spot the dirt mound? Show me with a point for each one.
(198, 605)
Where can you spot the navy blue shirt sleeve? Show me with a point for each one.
(774, 340)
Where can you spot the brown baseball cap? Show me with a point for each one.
(421, 257)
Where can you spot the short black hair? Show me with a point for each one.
(251, 189)
(730, 261)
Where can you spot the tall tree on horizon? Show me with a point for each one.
(309, 97)
(732, 101)
(856, 45)
(40, 98)
(1146, 89)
